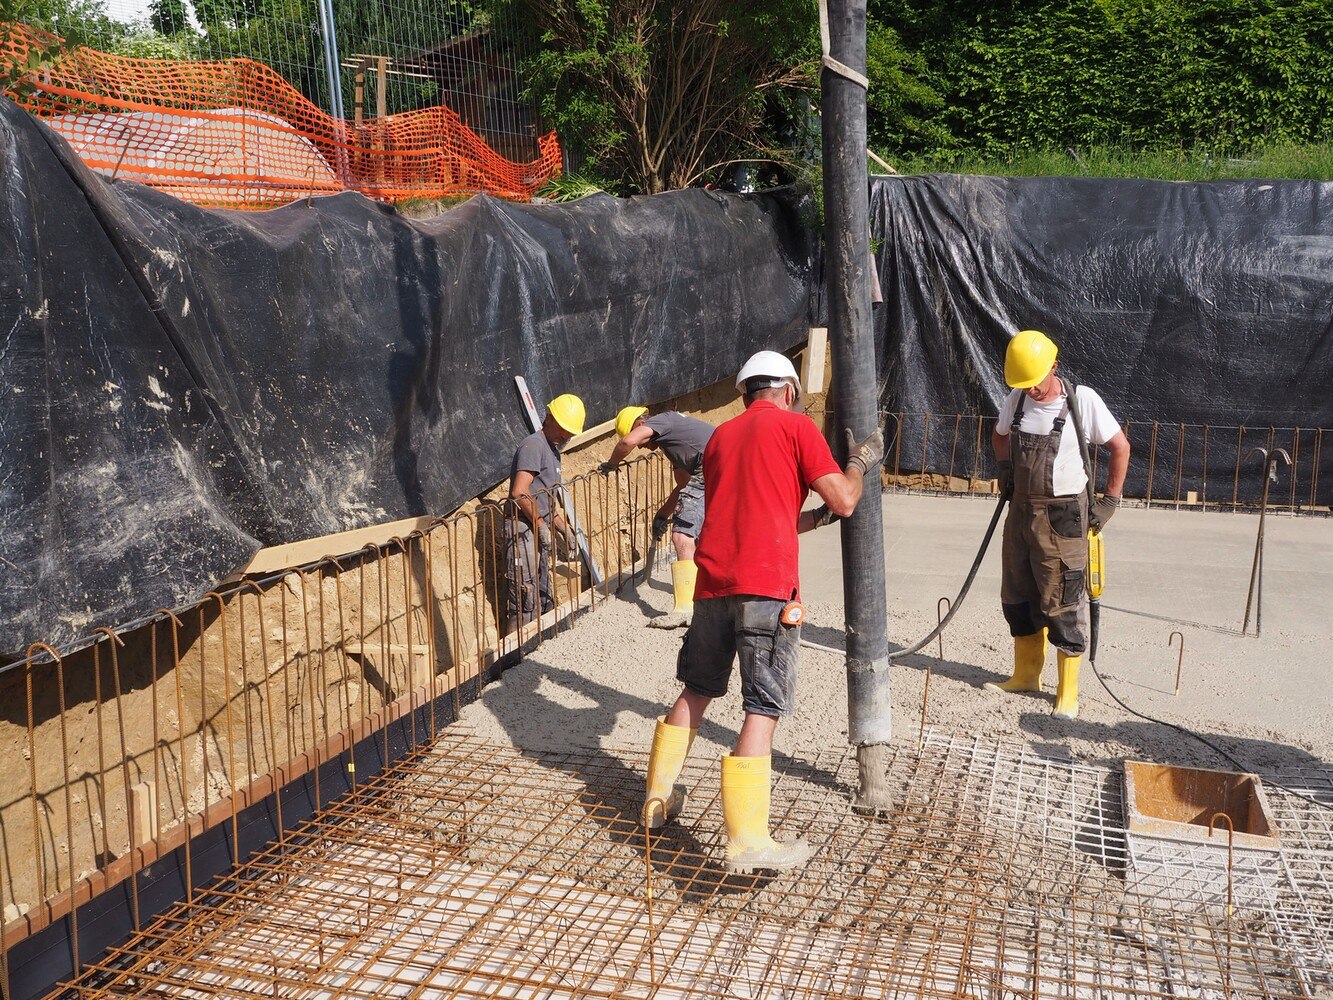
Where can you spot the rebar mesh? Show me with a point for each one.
(474, 870)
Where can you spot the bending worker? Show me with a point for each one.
(535, 487)
(682, 440)
(1042, 586)
(759, 467)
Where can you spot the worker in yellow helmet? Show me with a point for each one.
(1042, 470)
(535, 526)
(682, 440)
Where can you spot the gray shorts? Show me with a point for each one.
(725, 626)
(689, 516)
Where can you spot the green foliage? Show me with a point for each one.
(168, 17)
(569, 187)
(1142, 74)
(1281, 161)
(657, 94)
(144, 42)
(900, 105)
(72, 21)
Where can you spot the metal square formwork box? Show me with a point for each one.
(1174, 858)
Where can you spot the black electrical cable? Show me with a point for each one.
(967, 585)
(1092, 662)
(1094, 616)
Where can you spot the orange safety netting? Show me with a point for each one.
(233, 133)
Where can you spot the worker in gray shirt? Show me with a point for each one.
(682, 440)
(535, 518)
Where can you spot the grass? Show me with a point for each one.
(426, 207)
(1275, 162)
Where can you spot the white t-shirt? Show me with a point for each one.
(1099, 426)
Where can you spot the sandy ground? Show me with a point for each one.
(1268, 700)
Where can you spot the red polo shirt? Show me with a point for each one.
(758, 468)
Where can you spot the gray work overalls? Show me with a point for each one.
(1045, 542)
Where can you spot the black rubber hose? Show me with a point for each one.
(1094, 623)
(1094, 633)
(967, 585)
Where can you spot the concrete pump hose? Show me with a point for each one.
(967, 585)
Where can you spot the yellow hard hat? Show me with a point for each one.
(625, 418)
(1029, 359)
(568, 412)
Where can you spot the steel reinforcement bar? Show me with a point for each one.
(133, 744)
(1177, 465)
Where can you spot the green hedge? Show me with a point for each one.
(1228, 75)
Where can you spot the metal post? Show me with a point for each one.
(855, 386)
(330, 38)
(1255, 595)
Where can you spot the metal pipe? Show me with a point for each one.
(855, 387)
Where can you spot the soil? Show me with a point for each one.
(274, 672)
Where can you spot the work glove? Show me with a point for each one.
(824, 516)
(1006, 478)
(606, 468)
(661, 523)
(1103, 509)
(567, 541)
(544, 537)
(867, 453)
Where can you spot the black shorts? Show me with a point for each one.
(723, 627)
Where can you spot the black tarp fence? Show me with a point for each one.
(1194, 309)
(179, 387)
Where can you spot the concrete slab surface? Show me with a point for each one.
(1268, 700)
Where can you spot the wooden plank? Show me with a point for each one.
(882, 162)
(278, 557)
(812, 359)
(381, 93)
(591, 434)
(143, 813)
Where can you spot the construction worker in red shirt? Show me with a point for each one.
(1043, 590)
(759, 467)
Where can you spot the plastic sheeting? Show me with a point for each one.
(179, 387)
(1182, 303)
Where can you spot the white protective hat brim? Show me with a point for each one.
(770, 364)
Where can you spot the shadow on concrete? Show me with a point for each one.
(1153, 742)
(1221, 629)
(634, 592)
(614, 787)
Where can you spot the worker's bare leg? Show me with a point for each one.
(688, 711)
(756, 738)
(684, 545)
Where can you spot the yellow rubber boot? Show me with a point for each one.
(1066, 690)
(1029, 659)
(683, 574)
(747, 794)
(671, 745)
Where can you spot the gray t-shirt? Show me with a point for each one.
(536, 455)
(681, 438)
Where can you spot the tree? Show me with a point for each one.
(900, 105)
(168, 17)
(61, 25)
(660, 92)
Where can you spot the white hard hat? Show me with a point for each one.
(769, 364)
